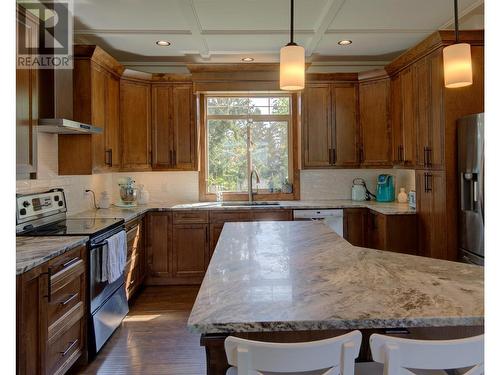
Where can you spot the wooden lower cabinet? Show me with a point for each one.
(367, 228)
(135, 269)
(50, 316)
(190, 246)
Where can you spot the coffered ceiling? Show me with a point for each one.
(228, 30)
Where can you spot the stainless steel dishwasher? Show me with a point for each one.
(334, 218)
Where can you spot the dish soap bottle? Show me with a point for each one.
(402, 196)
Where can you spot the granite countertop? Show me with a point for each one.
(286, 276)
(33, 251)
(391, 208)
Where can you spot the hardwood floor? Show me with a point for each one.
(153, 338)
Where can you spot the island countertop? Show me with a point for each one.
(291, 276)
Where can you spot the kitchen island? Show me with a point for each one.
(299, 281)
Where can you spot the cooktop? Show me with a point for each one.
(75, 227)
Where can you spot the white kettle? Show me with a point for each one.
(359, 192)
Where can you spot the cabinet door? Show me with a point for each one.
(112, 121)
(375, 123)
(135, 109)
(354, 226)
(215, 231)
(377, 235)
(31, 320)
(26, 100)
(159, 252)
(190, 250)
(184, 127)
(317, 126)
(345, 149)
(436, 131)
(396, 119)
(421, 90)
(162, 127)
(407, 125)
(98, 84)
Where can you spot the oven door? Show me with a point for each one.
(100, 291)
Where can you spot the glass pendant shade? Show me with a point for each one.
(457, 65)
(292, 68)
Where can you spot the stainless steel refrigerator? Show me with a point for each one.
(471, 188)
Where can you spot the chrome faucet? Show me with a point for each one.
(250, 187)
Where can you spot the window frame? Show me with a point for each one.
(293, 141)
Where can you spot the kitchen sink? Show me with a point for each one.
(260, 203)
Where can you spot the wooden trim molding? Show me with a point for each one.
(331, 77)
(294, 141)
(99, 56)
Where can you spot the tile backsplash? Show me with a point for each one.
(337, 183)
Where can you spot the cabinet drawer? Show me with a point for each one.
(64, 299)
(190, 217)
(227, 216)
(276, 215)
(132, 275)
(65, 350)
(65, 269)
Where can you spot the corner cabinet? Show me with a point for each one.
(174, 135)
(96, 102)
(374, 110)
(135, 124)
(330, 128)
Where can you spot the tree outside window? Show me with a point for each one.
(246, 133)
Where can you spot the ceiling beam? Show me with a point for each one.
(330, 11)
(189, 10)
(130, 32)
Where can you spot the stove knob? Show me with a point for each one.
(56, 197)
(22, 211)
(26, 203)
(60, 203)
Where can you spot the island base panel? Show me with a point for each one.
(216, 356)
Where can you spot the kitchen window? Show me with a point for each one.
(243, 133)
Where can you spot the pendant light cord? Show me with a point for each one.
(291, 25)
(456, 21)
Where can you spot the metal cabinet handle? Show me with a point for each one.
(330, 156)
(429, 182)
(71, 345)
(108, 156)
(175, 157)
(425, 183)
(69, 299)
(70, 262)
(334, 156)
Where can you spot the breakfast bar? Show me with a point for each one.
(300, 281)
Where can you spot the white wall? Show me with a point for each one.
(337, 183)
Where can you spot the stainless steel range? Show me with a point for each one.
(44, 214)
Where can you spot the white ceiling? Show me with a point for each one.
(227, 30)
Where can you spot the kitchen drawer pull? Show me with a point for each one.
(396, 331)
(71, 345)
(70, 262)
(69, 299)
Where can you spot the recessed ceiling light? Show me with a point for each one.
(163, 43)
(344, 42)
(247, 59)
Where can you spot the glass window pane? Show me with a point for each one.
(270, 153)
(227, 155)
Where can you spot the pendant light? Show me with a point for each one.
(292, 63)
(457, 61)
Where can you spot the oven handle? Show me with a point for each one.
(100, 244)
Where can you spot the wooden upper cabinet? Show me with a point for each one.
(173, 127)
(135, 124)
(112, 149)
(26, 100)
(317, 136)
(95, 102)
(346, 129)
(374, 99)
(428, 91)
(403, 116)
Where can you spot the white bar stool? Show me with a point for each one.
(331, 356)
(397, 356)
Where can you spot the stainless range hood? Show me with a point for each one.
(56, 104)
(65, 126)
